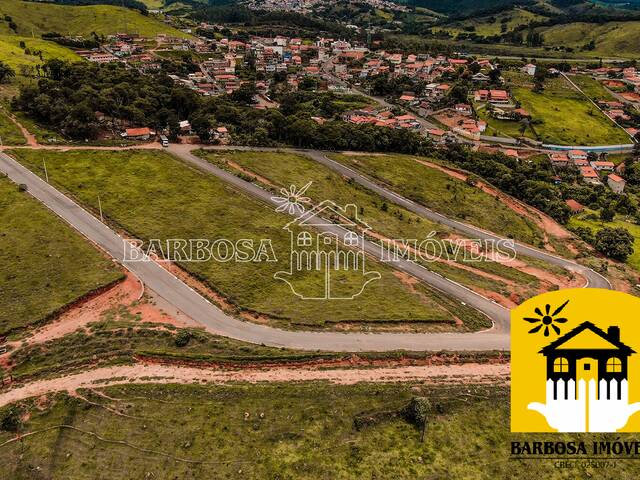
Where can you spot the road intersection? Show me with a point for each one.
(196, 306)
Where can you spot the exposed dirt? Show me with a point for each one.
(128, 293)
(246, 171)
(543, 221)
(165, 374)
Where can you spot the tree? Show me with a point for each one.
(616, 243)
(6, 72)
(607, 213)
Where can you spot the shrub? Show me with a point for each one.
(182, 338)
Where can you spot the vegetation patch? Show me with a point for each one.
(153, 196)
(45, 263)
(281, 430)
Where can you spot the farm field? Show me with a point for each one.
(144, 193)
(46, 265)
(305, 430)
(279, 169)
(586, 125)
(10, 134)
(443, 193)
(586, 219)
(37, 18)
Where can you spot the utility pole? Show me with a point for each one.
(46, 174)
(100, 207)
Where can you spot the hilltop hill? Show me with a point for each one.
(34, 19)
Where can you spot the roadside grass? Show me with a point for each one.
(566, 116)
(590, 219)
(45, 264)
(10, 134)
(121, 337)
(37, 18)
(444, 194)
(304, 430)
(392, 221)
(152, 195)
(16, 57)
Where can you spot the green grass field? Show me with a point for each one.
(592, 88)
(308, 430)
(566, 116)
(15, 56)
(284, 169)
(153, 196)
(487, 26)
(586, 219)
(444, 194)
(45, 264)
(38, 18)
(614, 39)
(9, 131)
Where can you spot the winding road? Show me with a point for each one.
(191, 303)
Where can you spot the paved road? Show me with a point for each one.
(202, 311)
(594, 279)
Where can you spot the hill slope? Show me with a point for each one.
(611, 38)
(38, 18)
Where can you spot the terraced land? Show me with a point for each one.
(442, 193)
(45, 263)
(275, 170)
(151, 195)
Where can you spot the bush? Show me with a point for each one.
(616, 243)
(22, 187)
(11, 420)
(182, 338)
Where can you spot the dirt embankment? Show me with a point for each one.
(102, 377)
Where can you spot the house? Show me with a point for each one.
(589, 351)
(529, 69)
(616, 183)
(589, 175)
(463, 108)
(577, 155)
(574, 206)
(497, 97)
(559, 160)
(437, 135)
(138, 133)
(601, 165)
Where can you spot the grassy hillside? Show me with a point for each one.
(283, 169)
(14, 55)
(45, 264)
(39, 18)
(444, 194)
(611, 39)
(10, 134)
(303, 431)
(490, 25)
(560, 114)
(153, 196)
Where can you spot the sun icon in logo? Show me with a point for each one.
(547, 319)
(292, 200)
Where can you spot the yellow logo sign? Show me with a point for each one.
(575, 365)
